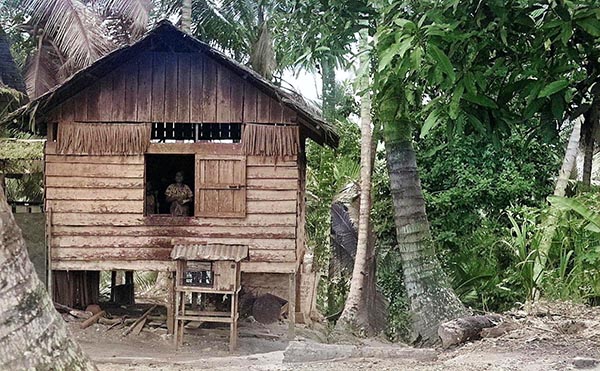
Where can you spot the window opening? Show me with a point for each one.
(170, 185)
(165, 132)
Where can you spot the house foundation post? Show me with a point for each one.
(292, 306)
(171, 303)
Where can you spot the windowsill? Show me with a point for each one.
(162, 219)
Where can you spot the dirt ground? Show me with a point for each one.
(550, 336)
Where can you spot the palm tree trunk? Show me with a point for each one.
(328, 88)
(328, 107)
(355, 316)
(432, 300)
(32, 334)
(186, 16)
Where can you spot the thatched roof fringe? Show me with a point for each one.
(102, 139)
(270, 140)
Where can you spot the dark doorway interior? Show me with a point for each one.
(160, 173)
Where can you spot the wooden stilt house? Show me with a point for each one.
(120, 130)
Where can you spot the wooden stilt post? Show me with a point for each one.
(171, 300)
(292, 307)
(129, 282)
(113, 283)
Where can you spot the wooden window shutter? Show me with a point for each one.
(221, 186)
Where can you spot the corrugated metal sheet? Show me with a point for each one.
(209, 252)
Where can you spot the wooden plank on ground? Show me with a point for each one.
(93, 319)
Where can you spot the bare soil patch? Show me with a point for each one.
(548, 336)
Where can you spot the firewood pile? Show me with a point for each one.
(128, 325)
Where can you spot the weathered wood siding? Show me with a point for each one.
(97, 202)
(172, 87)
(97, 207)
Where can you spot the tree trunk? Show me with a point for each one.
(432, 300)
(186, 16)
(32, 334)
(328, 88)
(587, 139)
(355, 316)
(549, 224)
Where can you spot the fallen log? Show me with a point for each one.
(466, 328)
(74, 312)
(88, 322)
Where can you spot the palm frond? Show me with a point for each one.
(135, 11)
(41, 70)
(262, 56)
(76, 30)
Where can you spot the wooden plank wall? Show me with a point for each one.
(97, 205)
(172, 87)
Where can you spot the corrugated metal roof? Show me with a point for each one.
(209, 252)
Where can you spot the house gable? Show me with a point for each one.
(171, 86)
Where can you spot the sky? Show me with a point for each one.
(309, 84)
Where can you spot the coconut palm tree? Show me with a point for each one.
(32, 334)
(71, 34)
(355, 315)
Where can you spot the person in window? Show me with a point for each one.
(179, 195)
(151, 201)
